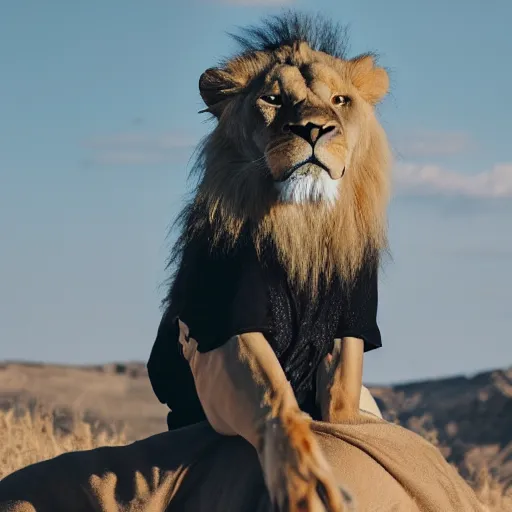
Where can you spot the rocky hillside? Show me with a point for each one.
(470, 418)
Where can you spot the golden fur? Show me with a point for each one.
(249, 151)
(298, 165)
(383, 466)
(244, 392)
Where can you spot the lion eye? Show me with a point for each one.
(340, 100)
(272, 99)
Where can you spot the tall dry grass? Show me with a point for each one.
(494, 496)
(491, 493)
(29, 437)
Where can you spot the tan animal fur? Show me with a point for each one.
(244, 392)
(235, 187)
(382, 466)
(241, 385)
(263, 100)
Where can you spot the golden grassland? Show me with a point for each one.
(29, 437)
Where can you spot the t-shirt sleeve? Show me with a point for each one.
(249, 309)
(359, 310)
(225, 298)
(170, 375)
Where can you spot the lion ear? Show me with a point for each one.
(216, 86)
(371, 81)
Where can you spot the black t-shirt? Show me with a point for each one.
(219, 294)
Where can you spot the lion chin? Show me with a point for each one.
(309, 183)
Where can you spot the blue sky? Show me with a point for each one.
(98, 120)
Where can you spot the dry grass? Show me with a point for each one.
(29, 437)
(488, 489)
(491, 493)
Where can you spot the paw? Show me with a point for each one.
(297, 475)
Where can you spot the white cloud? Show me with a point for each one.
(144, 149)
(432, 179)
(134, 148)
(430, 144)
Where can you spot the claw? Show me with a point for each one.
(322, 493)
(347, 499)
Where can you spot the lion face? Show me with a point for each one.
(303, 113)
(297, 158)
(302, 133)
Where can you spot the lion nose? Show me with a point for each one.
(310, 131)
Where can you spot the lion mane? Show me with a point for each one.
(235, 193)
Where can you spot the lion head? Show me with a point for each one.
(297, 154)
